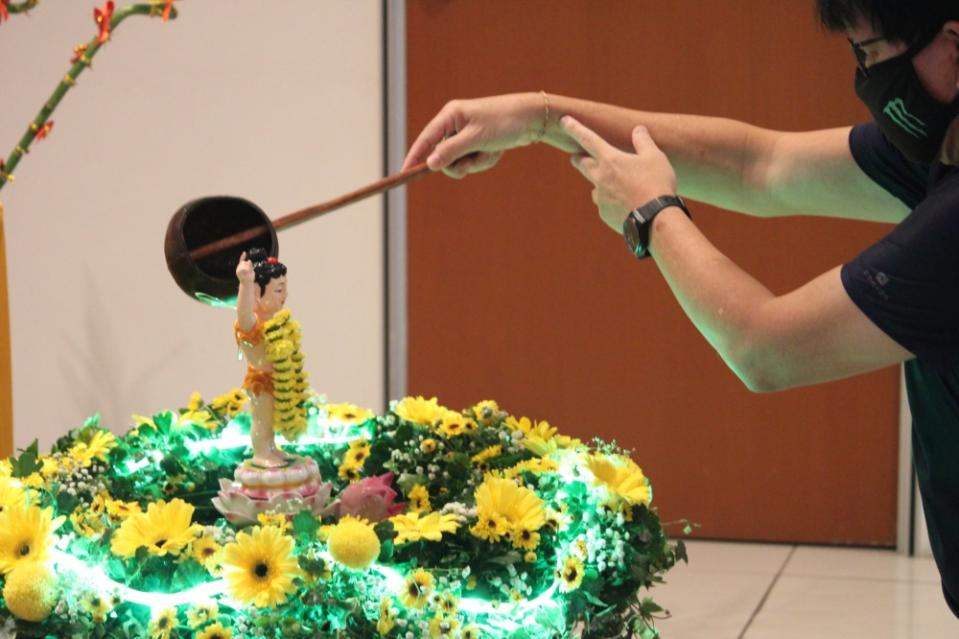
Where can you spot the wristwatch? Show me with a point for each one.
(637, 224)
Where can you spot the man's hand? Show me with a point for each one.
(621, 181)
(244, 270)
(469, 136)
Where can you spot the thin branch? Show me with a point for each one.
(82, 59)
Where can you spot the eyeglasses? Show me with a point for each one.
(859, 49)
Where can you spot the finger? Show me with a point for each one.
(431, 135)
(473, 163)
(585, 164)
(585, 137)
(641, 138)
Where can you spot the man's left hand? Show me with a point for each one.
(621, 181)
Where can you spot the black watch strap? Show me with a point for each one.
(638, 222)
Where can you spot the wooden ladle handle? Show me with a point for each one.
(298, 217)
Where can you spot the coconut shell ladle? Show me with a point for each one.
(201, 234)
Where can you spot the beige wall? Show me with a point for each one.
(278, 102)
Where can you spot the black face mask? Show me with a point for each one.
(914, 121)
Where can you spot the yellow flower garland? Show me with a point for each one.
(289, 379)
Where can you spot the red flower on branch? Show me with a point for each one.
(4, 12)
(167, 8)
(44, 130)
(102, 17)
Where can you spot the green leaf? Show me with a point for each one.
(92, 422)
(26, 464)
(66, 503)
(648, 607)
(305, 524)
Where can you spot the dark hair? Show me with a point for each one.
(263, 269)
(909, 21)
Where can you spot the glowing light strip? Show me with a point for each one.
(96, 578)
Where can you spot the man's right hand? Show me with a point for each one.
(469, 136)
(244, 270)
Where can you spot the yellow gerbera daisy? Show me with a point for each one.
(350, 472)
(520, 506)
(418, 588)
(202, 613)
(101, 443)
(411, 527)
(621, 477)
(419, 410)
(571, 574)
(11, 494)
(349, 413)
(447, 603)
(166, 527)
(26, 535)
(428, 445)
(229, 404)
(260, 567)
(163, 625)
(419, 498)
(215, 631)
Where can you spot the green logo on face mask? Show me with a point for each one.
(897, 112)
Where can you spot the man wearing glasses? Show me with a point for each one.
(898, 301)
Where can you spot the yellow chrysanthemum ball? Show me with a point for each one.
(31, 591)
(353, 543)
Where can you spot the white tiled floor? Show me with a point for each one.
(763, 591)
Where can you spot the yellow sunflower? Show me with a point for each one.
(470, 632)
(443, 626)
(518, 505)
(97, 605)
(204, 549)
(229, 404)
(349, 413)
(11, 494)
(419, 410)
(417, 589)
(453, 424)
(428, 445)
(486, 411)
(279, 520)
(202, 613)
(491, 527)
(480, 459)
(525, 539)
(411, 527)
(621, 477)
(163, 625)
(119, 510)
(571, 574)
(419, 498)
(215, 631)
(26, 535)
(387, 618)
(260, 567)
(535, 466)
(165, 528)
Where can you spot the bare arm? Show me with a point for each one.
(246, 296)
(813, 334)
(724, 162)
